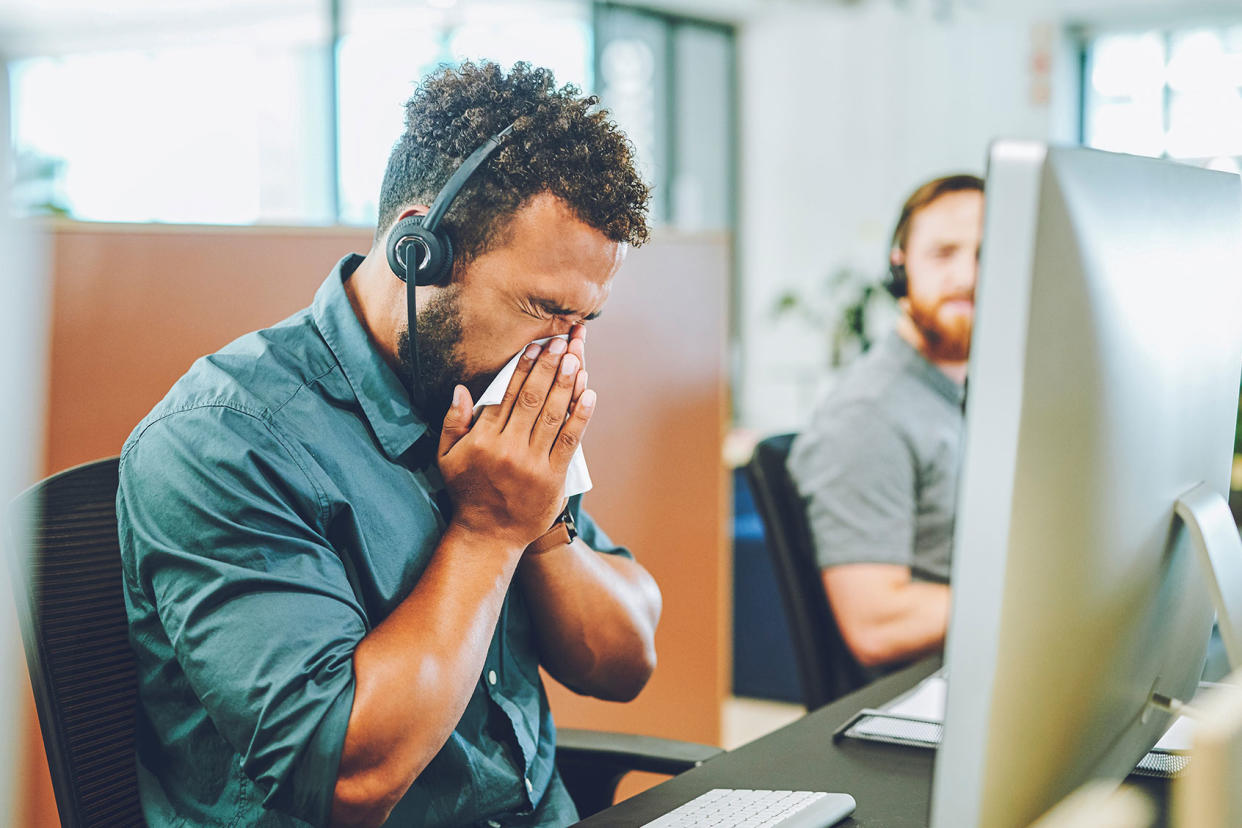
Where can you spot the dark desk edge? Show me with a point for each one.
(662, 798)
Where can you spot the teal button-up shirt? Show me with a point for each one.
(275, 507)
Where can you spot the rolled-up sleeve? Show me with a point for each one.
(223, 525)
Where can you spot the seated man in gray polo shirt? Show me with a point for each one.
(878, 463)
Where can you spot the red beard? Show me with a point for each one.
(946, 336)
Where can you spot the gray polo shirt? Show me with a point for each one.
(878, 463)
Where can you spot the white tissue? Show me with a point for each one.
(577, 479)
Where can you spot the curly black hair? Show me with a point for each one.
(561, 144)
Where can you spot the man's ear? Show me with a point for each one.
(412, 210)
(897, 258)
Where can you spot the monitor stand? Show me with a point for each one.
(1219, 549)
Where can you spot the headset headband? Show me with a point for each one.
(436, 262)
(459, 178)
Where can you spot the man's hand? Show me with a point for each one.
(595, 614)
(506, 472)
(415, 672)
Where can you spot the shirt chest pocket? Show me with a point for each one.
(386, 539)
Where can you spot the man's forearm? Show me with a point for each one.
(911, 624)
(883, 614)
(595, 616)
(415, 672)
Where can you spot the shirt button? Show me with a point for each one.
(491, 676)
(529, 787)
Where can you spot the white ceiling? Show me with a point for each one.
(1070, 10)
(22, 19)
(40, 14)
(33, 26)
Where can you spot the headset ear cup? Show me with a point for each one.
(896, 283)
(438, 263)
(428, 252)
(401, 231)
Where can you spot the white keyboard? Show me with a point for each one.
(735, 808)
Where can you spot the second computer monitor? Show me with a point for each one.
(1104, 377)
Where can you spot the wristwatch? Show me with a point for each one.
(562, 533)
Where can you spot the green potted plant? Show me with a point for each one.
(849, 305)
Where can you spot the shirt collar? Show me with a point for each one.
(926, 370)
(383, 398)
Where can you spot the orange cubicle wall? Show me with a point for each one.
(133, 305)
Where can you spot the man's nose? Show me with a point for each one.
(966, 273)
(558, 326)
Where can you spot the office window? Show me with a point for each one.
(1174, 93)
(229, 128)
(385, 48)
(285, 112)
(669, 83)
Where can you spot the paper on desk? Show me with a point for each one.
(927, 701)
(1178, 736)
(577, 479)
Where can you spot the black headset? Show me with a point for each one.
(896, 282)
(419, 242)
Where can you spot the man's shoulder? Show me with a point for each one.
(862, 416)
(254, 375)
(849, 425)
(864, 390)
(885, 383)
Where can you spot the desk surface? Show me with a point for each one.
(891, 783)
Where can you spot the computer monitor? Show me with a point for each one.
(1103, 383)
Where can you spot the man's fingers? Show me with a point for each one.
(556, 406)
(577, 343)
(495, 416)
(571, 433)
(529, 399)
(456, 421)
(580, 385)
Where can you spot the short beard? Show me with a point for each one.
(944, 343)
(440, 365)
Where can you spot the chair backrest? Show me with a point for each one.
(72, 615)
(826, 668)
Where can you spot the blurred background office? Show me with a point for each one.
(195, 168)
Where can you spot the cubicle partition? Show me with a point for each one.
(134, 305)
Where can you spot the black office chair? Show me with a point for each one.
(72, 617)
(827, 669)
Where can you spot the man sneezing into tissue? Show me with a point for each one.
(342, 575)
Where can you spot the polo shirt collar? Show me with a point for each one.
(383, 398)
(924, 368)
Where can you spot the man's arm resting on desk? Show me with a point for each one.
(595, 615)
(884, 615)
